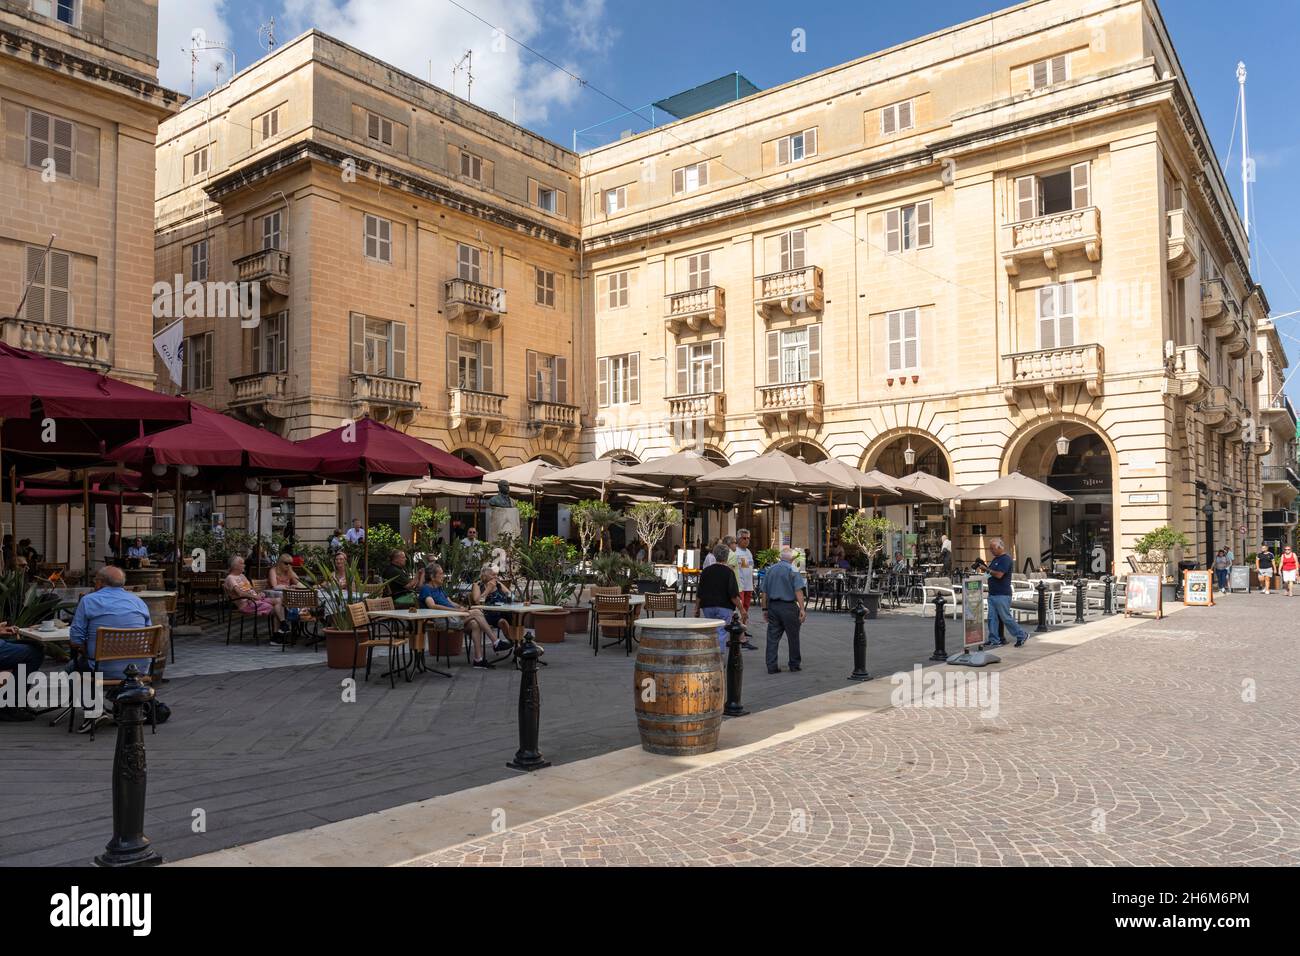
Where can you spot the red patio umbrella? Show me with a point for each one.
(367, 450)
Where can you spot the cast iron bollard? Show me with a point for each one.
(1042, 608)
(735, 668)
(859, 644)
(1109, 600)
(129, 846)
(1080, 596)
(530, 708)
(940, 625)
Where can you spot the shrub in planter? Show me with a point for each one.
(341, 649)
(866, 534)
(1155, 547)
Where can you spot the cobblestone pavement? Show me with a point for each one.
(1171, 743)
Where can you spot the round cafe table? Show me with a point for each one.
(417, 616)
(515, 614)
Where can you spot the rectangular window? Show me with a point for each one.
(793, 250)
(378, 346)
(547, 377)
(197, 162)
(699, 368)
(794, 355)
(196, 362)
(379, 129)
(1047, 72)
(1056, 320)
(546, 200)
(199, 261)
(469, 364)
(618, 379)
(471, 166)
(794, 148)
(896, 118)
(1054, 193)
(618, 290)
(690, 178)
(49, 297)
(545, 288)
(49, 137)
(65, 11)
(271, 344)
(271, 231)
(904, 340)
(908, 227)
(379, 239)
(269, 124)
(698, 273)
(469, 260)
(615, 200)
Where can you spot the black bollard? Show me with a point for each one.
(1080, 597)
(735, 668)
(1042, 608)
(129, 846)
(1109, 600)
(530, 708)
(940, 626)
(859, 644)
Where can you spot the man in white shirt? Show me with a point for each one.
(471, 537)
(729, 541)
(742, 562)
(356, 533)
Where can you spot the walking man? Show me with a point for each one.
(784, 593)
(999, 570)
(1264, 567)
(1221, 566)
(742, 563)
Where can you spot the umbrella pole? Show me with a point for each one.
(68, 545)
(85, 526)
(365, 524)
(830, 512)
(13, 506)
(179, 536)
(257, 535)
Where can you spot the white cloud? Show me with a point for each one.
(178, 21)
(433, 35)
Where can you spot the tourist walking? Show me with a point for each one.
(1290, 566)
(741, 561)
(1000, 617)
(784, 593)
(717, 595)
(1264, 567)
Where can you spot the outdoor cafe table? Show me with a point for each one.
(417, 616)
(515, 614)
(35, 635)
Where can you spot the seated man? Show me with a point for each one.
(109, 605)
(434, 596)
(401, 586)
(136, 553)
(13, 653)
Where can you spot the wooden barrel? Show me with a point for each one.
(678, 685)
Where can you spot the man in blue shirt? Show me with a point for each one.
(999, 570)
(107, 606)
(783, 609)
(433, 595)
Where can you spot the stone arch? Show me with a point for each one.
(788, 442)
(878, 445)
(476, 454)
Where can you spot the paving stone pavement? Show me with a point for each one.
(1168, 744)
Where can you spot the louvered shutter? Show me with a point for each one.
(372, 126)
(923, 234)
(783, 150)
(282, 358)
(1026, 198)
(530, 372)
(1038, 78)
(372, 240)
(1047, 317)
(453, 360)
(910, 356)
(1080, 185)
(60, 281)
(38, 138)
(34, 309)
(358, 342)
(1060, 71)
(602, 381)
(773, 358)
(487, 370)
(634, 377)
(259, 337)
(895, 340)
(785, 251)
(798, 244)
(562, 380)
(397, 340)
(679, 180)
(704, 173)
(893, 231)
(887, 122)
(715, 376)
(63, 146)
(1066, 319)
(814, 352)
(683, 370)
(809, 143)
(905, 115)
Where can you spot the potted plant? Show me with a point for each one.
(527, 516)
(652, 520)
(341, 650)
(544, 562)
(424, 522)
(867, 534)
(591, 518)
(1155, 547)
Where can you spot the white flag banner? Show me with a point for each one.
(170, 345)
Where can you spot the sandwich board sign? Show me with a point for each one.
(972, 611)
(1239, 577)
(1143, 594)
(1198, 589)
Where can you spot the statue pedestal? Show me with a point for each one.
(503, 521)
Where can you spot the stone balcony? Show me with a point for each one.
(1222, 410)
(267, 267)
(88, 347)
(1049, 369)
(1217, 306)
(1279, 413)
(789, 293)
(475, 302)
(1183, 243)
(1241, 340)
(1191, 373)
(476, 410)
(1280, 476)
(260, 397)
(695, 309)
(1255, 364)
(789, 404)
(709, 409)
(553, 418)
(1050, 237)
(391, 400)
(1263, 441)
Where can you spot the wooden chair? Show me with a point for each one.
(114, 644)
(662, 601)
(305, 602)
(233, 610)
(367, 633)
(613, 613)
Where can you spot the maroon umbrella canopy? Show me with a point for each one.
(91, 411)
(368, 449)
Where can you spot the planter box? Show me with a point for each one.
(578, 621)
(548, 626)
(341, 651)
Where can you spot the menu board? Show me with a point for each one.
(972, 611)
(1143, 594)
(1198, 588)
(1239, 577)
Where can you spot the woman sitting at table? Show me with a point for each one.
(249, 600)
(341, 568)
(433, 595)
(489, 589)
(282, 575)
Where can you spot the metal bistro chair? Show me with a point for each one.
(662, 601)
(613, 613)
(125, 644)
(233, 604)
(367, 634)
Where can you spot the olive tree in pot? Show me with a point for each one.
(341, 650)
(867, 534)
(652, 520)
(1156, 546)
(592, 517)
(544, 562)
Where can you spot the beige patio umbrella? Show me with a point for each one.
(676, 472)
(600, 473)
(529, 475)
(1015, 487)
(433, 488)
(874, 484)
(936, 488)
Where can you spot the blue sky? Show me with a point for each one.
(641, 52)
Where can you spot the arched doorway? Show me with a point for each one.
(922, 525)
(467, 512)
(1077, 535)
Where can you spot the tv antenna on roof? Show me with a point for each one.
(266, 36)
(199, 44)
(468, 61)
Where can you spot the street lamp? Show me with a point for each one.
(909, 456)
(1062, 445)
